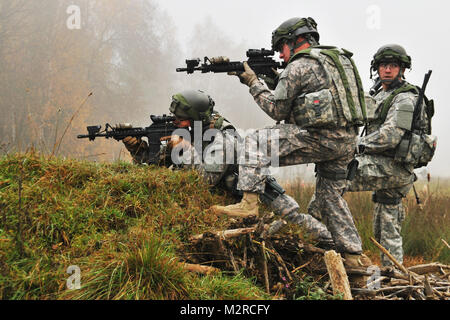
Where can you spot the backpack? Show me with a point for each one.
(418, 145)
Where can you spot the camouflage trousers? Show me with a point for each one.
(390, 182)
(286, 207)
(330, 150)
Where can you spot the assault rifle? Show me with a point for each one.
(418, 108)
(260, 60)
(161, 126)
(375, 87)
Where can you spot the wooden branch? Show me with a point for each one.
(199, 268)
(310, 248)
(428, 289)
(233, 261)
(389, 255)
(376, 281)
(445, 242)
(224, 234)
(338, 276)
(282, 263)
(428, 268)
(265, 272)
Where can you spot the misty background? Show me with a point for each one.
(54, 53)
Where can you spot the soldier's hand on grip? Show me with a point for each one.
(131, 141)
(271, 82)
(248, 77)
(134, 144)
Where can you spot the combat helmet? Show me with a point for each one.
(192, 104)
(391, 52)
(292, 28)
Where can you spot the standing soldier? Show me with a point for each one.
(385, 151)
(190, 106)
(321, 100)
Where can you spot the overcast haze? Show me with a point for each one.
(422, 27)
(53, 53)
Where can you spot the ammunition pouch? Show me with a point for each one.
(416, 149)
(315, 109)
(385, 200)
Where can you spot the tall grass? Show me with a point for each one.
(121, 224)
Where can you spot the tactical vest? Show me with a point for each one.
(418, 145)
(343, 103)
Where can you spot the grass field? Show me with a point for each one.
(122, 226)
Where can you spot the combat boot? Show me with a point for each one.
(247, 207)
(357, 261)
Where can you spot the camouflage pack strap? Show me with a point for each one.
(333, 53)
(407, 87)
(359, 84)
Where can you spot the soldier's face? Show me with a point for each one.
(388, 70)
(285, 53)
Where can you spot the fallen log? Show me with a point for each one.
(338, 276)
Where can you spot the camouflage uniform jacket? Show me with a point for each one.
(382, 139)
(302, 75)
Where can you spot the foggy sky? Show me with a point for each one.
(421, 27)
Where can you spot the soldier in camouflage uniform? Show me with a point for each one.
(320, 98)
(378, 169)
(189, 106)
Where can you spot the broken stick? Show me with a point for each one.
(199, 268)
(389, 255)
(338, 276)
(225, 234)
